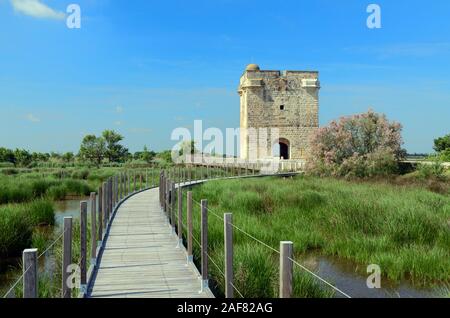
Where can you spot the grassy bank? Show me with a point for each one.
(405, 230)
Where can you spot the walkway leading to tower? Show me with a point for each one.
(142, 258)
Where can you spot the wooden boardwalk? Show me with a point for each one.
(141, 257)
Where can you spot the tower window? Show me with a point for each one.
(281, 107)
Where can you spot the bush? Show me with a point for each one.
(435, 170)
(445, 155)
(364, 145)
(82, 174)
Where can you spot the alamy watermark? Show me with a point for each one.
(73, 20)
(218, 146)
(374, 279)
(374, 19)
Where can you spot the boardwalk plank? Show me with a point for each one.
(141, 257)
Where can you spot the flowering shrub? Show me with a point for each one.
(362, 145)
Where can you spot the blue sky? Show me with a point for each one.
(145, 67)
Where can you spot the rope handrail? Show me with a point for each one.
(40, 255)
(276, 251)
(319, 278)
(17, 282)
(222, 273)
(52, 244)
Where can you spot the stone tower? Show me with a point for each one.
(285, 100)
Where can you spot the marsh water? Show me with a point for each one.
(346, 275)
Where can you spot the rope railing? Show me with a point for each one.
(49, 247)
(19, 280)
(319, 278)
(216, 214)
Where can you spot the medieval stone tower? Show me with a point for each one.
(287, 101)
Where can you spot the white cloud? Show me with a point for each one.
(32, 118)
(36, 9)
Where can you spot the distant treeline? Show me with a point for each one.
(103, 150)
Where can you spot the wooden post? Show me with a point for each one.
(140, 181)
(116, 191)
(180, 215)
(172, 205)
(228, 239)
(112, 194)
(165, 194)
(118, 177)
(189, 223)
(67, 257)
(204, 241)
(93, 228)
(83, 246)
(109, 198)
(190, 174)
(104, 205)
(122, 186)
(107, 202)
(286, 269)
(119, 187)
(100, 216)
(30, 273)
(111, 204)
(125, 184)
(160, 188)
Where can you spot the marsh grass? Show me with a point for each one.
(20, 190)
(255, 266)
(19, 221)
(405, 230)
(50, 264)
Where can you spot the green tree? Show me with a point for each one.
(7, 155)
(68, 157)
(442, 144)
(115, 152)
(93, 149)
(147, 155)
(165, 155)
(188, 147)
(23, 157)
(55, 156)
(40, 157)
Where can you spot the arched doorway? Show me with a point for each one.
(282, 149)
